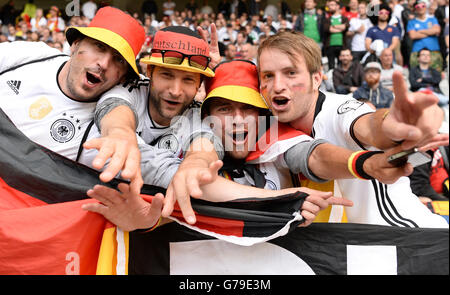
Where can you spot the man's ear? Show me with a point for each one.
(74, 46)
(317, 79)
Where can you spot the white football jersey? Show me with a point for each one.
(32, 98)
(162, 147)
(374, 202)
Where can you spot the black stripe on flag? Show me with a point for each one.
(323, 246)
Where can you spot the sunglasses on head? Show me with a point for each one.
(176, 58)
(421, 5)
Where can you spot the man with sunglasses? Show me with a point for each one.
(424, 31)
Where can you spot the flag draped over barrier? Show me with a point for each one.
(43, 230)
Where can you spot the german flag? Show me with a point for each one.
(43, 229)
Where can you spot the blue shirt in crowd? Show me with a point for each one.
(386, 35)
(430, 42)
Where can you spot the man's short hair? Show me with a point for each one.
(295, 44)
(423, 49)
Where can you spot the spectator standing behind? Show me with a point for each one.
(230, 52)
(423, 77)
(371, 88)
(351, 11)
(357, 31)
(39, 21)
(55, 21)
(334, 28)
(406, 42)
(388, 67)
(347, 77)
(424, 31)
(381, 30)
(310, 22)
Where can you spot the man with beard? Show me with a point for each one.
(234, 106)
(371, 88)
(347, 77)
(50, 96)
(161, 110)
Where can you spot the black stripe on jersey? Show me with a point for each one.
(390, 212)
(388, 198)
(378, 199)
(352, 132)
(384, 201)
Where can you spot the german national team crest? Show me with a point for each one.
(62, 130)
(168, 142)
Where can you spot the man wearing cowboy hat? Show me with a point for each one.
(50, 96)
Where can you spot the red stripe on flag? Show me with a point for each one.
(217, 225)
(47, 239)
(16, 199)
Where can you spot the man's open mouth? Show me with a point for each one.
(92, 78)
(239, 136)
(281, 101)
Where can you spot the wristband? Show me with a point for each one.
(385, 115)
(152, 228)
(356, 162)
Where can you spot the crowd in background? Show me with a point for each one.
(362, 43)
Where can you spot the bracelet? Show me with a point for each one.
(152, 228)
(385, 115)
(356, 162)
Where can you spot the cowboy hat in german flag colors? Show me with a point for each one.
(182, 40)
(235, 80)
(116, 29)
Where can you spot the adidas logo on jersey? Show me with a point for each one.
(14, 85)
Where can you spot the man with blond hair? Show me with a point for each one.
(291, 90)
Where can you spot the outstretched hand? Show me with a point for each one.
(414, 118)
(121, 147)
(315, 202)
(191, 174)
(125, 209)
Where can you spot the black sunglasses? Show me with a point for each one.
(176, 58)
